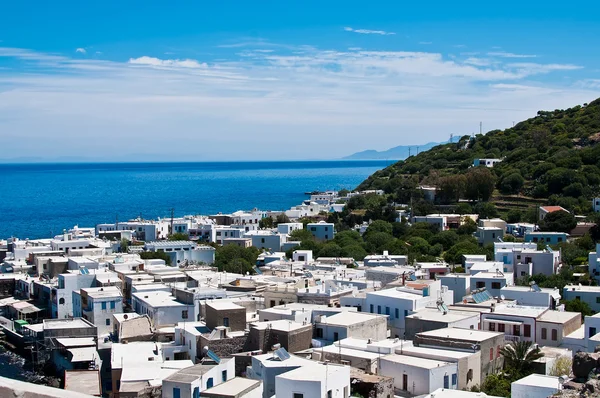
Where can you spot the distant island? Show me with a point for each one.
(400, 152)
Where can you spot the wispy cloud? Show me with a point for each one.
(425, 43)
(177, 63)
(226, 107)
(368, 31)
(503, 54)
(81, 50)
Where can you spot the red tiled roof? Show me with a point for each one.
(550, 209)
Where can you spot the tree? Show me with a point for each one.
(575, 305)
(379, 226)
(282, 219)
(179, 236)
(480, 183)
(124, 246)
(562, 366)
(233, 258)
(301, 235)
(519, 357)
(343, 193)
(452, 188)
(495, 384)
(513, 216)
(511, 183)
(266, 222)
(486, 210)
(558, 221)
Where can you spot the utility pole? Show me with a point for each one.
(409, 151)
(480, 127)
(417, 151)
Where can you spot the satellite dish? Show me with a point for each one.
(502, 297)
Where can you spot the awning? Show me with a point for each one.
(504, 321)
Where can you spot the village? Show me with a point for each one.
(138, 308)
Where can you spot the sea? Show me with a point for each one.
(40, 200)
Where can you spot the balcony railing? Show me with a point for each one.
(511, 338)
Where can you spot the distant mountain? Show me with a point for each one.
(397, 153)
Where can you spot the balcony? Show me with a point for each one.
(511, 338)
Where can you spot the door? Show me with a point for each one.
(176, 392)
(405, 382)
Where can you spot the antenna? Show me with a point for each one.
(480, 127)
(172, 214)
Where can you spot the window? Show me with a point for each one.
(405, 313)
(527, 330)
(480, 285)
(577, 297)
(336, 336)
(517, 330)
(554, 335)
(298, 395)
(61, 300)
(491, 353)
(107, 321)
(397, 313)
(371, 308)
(495, 285)
(209, 383)
(597, 300)
(454, 379)
(224, 375)
(112, 305)
(184, 314)
(272, 303)
(518, 256)
(544, 333)
(196, 392)
(319, 333)
(446, 381)
(226, 321)
(387, 310)
(501, 327)
(176, 392)
(262, 240)
(492, 327)
(379, 309)
(104, 305)
(592, 332)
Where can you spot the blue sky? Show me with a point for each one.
(283, 80)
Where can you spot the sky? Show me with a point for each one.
(281, 80)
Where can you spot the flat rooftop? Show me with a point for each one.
(223, 305)
(538, 380)
(234, 386)
(461, 334)
(414, 361)
(83, 381)
(159, 299)
(582, 288)
(349, 318)
(193, 373)
(433, 314)
(520, 310)
(281, 325)
(66, 323)
(558, 316)
(102, 292)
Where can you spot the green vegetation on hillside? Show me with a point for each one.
(553, 158)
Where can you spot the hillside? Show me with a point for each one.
(400, 152)
(552, 158)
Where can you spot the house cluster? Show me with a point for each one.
(111, 323)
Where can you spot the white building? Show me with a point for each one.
(62, 297)
(351, 324)
(520, 229)
(288, 228)
(162, 308)
(545, 262)
(98, 305)
(527, 295)
(304, 256)
(183, 250)
(596, 204)
(491, 281)
(459, 284)
(487, 235)
(487, 162)
(269, 240)
(535, 386)
(317, 380)
(594, 263)
(587, 294)
(267, 367)
(419, 376)
(385, 260)
(321, 230)
(190, 382)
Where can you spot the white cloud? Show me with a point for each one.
(503, 54)
(81, 50)
(169, 63)
(346, 100)
(369, 32)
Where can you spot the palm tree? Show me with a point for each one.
(519, 356)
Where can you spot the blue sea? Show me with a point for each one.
(40, 200)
